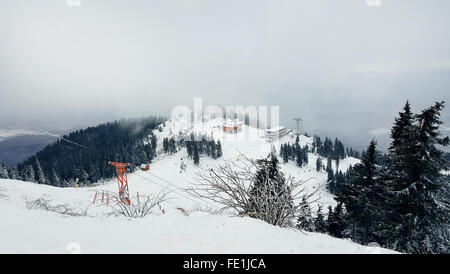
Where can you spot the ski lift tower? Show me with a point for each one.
(121, 169)
(298, 120)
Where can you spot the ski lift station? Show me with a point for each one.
(276, 133)
(232, 126)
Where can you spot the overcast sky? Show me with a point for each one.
(343, 66)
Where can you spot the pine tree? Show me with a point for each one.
(269, 191)
(285, 153)
(338, 150)
(339, 182)
(39, 173)
(328, 148)
(213, 149)
(320, 224)
(305, 155)
(84, 177)
(3, 172)
(329, 165)
(28, 173)
(299, 156)
(330, 181)
(13, 174)
(208, 148)
(196, 154)
(399, 176)
(305, 220)
(419, 220)
(166, 145)
(330, 175)
(54, 178)
(219, 149)
(189, 148)
(172, 148)
(318, 164)
(154, 143)
(362, 196)
(318, 145)
(336, 221)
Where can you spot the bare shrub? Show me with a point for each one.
(44, 204)
(254, 188)
(207, 209)
(140, 206)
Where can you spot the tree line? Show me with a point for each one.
(294, 153)
(84, 153)
(403, 203)
(206, 145)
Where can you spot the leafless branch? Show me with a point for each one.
(232, 185)
(140, 206)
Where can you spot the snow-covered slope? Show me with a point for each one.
(35, 230)
(249, 142)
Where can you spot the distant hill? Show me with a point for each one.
(84, 153)
(16, 149)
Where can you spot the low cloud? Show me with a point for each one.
(342, 66)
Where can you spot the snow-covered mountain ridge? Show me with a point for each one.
(200, 231)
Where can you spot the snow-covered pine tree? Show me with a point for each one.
(320, 224)
(54, 178)
(219, 149)
(3, 172)
(330, 181)
(84, 177)
(189, 148)
(305, 155)
(305, 220)
(336, 223)
(208, 148)
(28, 173)
(213, 149)
(39, 173)
(270, 197)
(329, 166)
(166, 145)
(339, 181)
(285, 149)
(14, 174)
(298, 155)
(330, 175)
(154, 143)
(319, 164)
(172, 146)
(362, 196)
(396, 226)
(196, 153)
(419, 217)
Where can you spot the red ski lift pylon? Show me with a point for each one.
(121, 169)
